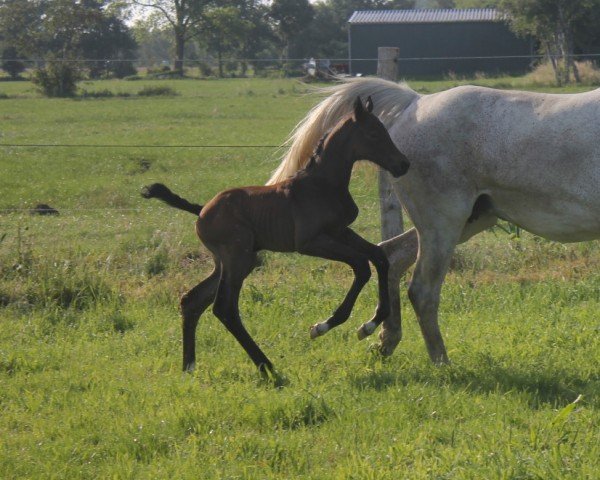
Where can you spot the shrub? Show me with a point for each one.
(123, 69)
(10, 62)
(543, 74)
(205, 69)
(57, 78)
(103, 94)
(150, 91)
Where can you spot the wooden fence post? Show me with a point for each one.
(390, 208)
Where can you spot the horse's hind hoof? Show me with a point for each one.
(365, 330)
(318, 330)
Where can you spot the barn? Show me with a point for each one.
(435, 42)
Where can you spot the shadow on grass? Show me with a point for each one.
(543, 387)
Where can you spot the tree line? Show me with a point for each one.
(113, 34)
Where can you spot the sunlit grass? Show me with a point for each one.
(90, 381)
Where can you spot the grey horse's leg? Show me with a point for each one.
(402, 253)
(436, 246)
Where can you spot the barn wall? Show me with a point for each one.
(418, 40)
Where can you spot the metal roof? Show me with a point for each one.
(428, 15)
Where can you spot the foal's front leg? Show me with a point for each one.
(325, 246)
(378, 258)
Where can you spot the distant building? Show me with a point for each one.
(434, 42)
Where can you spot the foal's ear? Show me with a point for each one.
(359, 109)
(369, 104)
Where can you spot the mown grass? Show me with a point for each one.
(90, 381)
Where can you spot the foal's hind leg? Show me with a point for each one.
(236, 267)
(193, 304)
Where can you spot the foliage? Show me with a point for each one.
(11, 62)
(21, 22)
(183, 17)
(236, 29)
(554, 23)
(58, 78)
(67, 29)
(466, 3)
(543, 74)
(157, 90)
(225, 32)
(154, 40)
(111, 43)
(291, 17)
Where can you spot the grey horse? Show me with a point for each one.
(477, 155)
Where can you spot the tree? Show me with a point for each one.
(461, 4)
(66, 28)
(155, 41)
(291, 17)
(63, 32)
(258, 36)
(476, 3)
(224, 32)
(553, 23)
(184, 17)
(111, 44)
(21, 24)
(237, 28)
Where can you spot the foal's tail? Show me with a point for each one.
(390, 99)
(158, 190)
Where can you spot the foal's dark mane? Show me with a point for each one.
(316, 155)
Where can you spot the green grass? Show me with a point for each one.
(90, 381)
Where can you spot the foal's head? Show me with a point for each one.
(371, 140)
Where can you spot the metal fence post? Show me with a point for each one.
(390, 208)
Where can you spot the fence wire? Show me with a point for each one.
(198, 61)
(115, 145)
(294, 60)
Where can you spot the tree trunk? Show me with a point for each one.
(179, 51)
(570, 53)
(553, 61)
(220, 62)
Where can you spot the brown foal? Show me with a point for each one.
(309, 213)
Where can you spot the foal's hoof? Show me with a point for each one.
(189, 367)
(365, 330)
(318, 330)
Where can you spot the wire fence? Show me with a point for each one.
(191, 62)
(116, 145)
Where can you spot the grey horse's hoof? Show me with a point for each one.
(318, 329)
(365, 330)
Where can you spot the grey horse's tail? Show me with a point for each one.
(160, 191)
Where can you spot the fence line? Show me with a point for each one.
(280, 60)
(89, 145)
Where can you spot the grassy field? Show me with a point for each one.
(90, 381)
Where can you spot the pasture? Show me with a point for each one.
(90, 343)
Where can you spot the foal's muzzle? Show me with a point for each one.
(399, 166)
